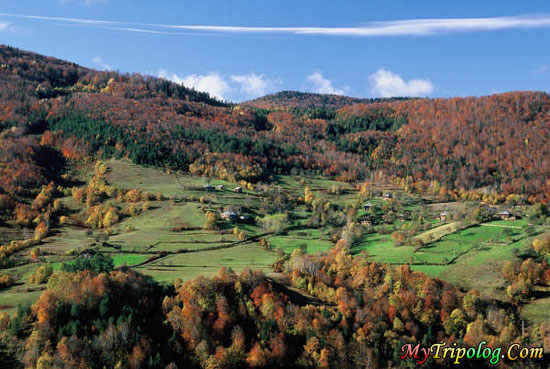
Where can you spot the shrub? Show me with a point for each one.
(41, 275)
(98, 263)
(6, 281)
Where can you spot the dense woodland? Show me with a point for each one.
(304, 100)
(359, 312)
(495, 144)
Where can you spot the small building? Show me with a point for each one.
(238, 189)
(387, 196)
(228, 215)
(220, 187)
(367, 206)
(442, 216)
(208, 187)
(506, 215)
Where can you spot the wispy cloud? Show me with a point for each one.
(388, 84)
(409, 27)
(316, 82)
(11, 28)
(62, 19)
(85, 2)
(541, 69)
(100, 63)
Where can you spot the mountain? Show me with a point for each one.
(307, 100)
(489, 145)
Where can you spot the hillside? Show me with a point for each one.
(495, 142)
(306, 100)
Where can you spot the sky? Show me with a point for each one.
(242, 49)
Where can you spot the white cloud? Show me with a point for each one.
(387, 84)
(98, 60)
(407, 27)
(255, 85)
(233, 87)
(212, 83)
(316, 82)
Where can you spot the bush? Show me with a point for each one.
(211, 221)
(41, 275)
(274, 223)
(98, 263)
(6, 281)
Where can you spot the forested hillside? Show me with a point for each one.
(496, 142)
(365, 311)
(307, 100)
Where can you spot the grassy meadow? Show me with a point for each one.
(169, 240)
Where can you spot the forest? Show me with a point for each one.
(489, 144)
(356, 316)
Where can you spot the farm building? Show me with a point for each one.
(228, 215)
(387, 196)
(220, 187)
(208, 187)
(442, 216)
(506, 215)
(367, 206)
(238, 189)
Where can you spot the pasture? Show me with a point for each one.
(169, 240)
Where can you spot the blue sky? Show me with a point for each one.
(242, 49)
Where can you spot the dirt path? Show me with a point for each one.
(499, 226)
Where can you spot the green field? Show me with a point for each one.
(169, 241)
(189, 265)
(438, 232)
(312, 239)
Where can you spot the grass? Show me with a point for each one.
(522, 222)
(66, 239)
(128, 259)
(189, 265)
(431, 270)
(536, 311)
(291, 242)
(152, 229)
(438, 232)
(380, 248)
(478, 262)
(12, 297)
(124, 174)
